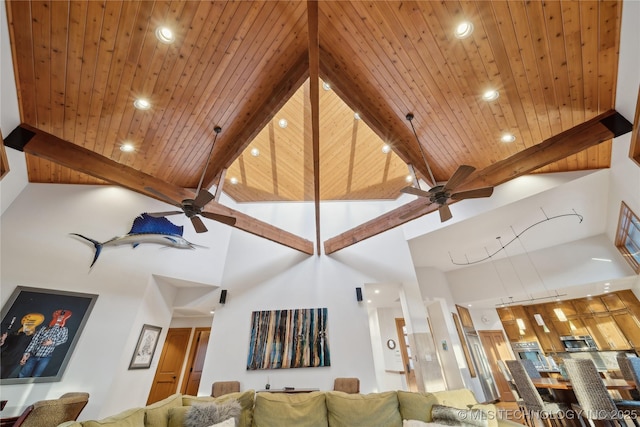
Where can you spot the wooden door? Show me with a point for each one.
(165, 382)
(405, 350)
(193, 371)
(496, 348)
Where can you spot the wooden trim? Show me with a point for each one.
(465, 346)
(4, 161)
(59, 151)
(634, 151)
(571, 141)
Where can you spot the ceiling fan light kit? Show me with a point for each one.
(443, 194)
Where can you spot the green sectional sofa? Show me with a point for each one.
(319, 409)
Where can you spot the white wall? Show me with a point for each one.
(37, 251)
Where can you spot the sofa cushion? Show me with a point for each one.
(246, 399)
(290, 409)
(490, 411)
(129, 418)
(452, 416)
(460, 398)
(157, 414)
(416, 405)
(371, 410)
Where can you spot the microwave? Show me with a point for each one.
(579, 343)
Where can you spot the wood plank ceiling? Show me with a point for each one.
(245, 65)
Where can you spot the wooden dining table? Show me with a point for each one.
(561, 384)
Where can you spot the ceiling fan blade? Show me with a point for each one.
(459, 176)
(203, 198)
(198, 224)
(473, 194)
(415, 191)
(445, 213)
(229, 220)
(161, 214)
(414, 211)
(162, 196)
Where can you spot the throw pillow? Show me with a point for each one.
(204, 415)
(228, 423)
(451, 416)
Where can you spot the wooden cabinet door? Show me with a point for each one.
(629, 325)
(613, 302)
(505, 314)
(548, 338)
(612, 333)
(512, 331)
(592, 326)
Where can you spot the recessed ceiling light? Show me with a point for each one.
(255, 152)
(127, 147)
(606, 285)
(356, 116)
(468, 305)
(490, 95)
(408, 178)
(588, 295)
(377, 291)
(212, 312)
(464, 29)
(165, 35)
(233, 180)
(508, 137)
(326, 86)
(283, 123)
(369, 301)
(386, 149)
(142, 104)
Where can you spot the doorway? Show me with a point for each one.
(405, 350)
(173, 357)
(496, 348)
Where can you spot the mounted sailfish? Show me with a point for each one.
(145, 229)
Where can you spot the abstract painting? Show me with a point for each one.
(289, 339)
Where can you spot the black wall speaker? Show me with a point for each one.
(223, 296)
(359, 294)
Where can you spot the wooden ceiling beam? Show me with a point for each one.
(281, 93)
(314, 97)
(46, 146)
(590, 133)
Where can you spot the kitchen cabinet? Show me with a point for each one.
(589, 305)
(630, 327)
(612, 319)
(505, 314)
(613, 302)
(548, 338)
(611, 332)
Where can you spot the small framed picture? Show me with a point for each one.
(146, 347)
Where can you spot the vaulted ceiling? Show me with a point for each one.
(342, 74)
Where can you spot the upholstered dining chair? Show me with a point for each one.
(220, 388)
(347, 385)
(47, 413)
(551, 413)
(594, 401)
(514, 391)
(634, 366)
(630, 369)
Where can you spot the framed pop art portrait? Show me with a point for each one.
(39, 331)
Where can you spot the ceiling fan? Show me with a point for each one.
(193, 208)
(443, 194)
